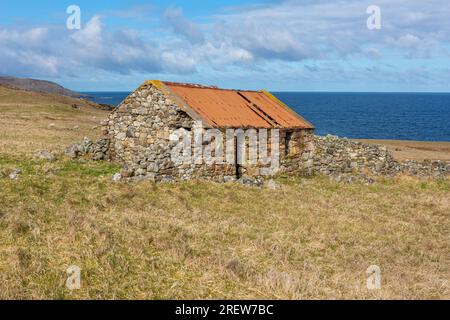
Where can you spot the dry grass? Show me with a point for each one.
(415, 150)
(31, 122)
(312, 238)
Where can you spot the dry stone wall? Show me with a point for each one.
(139, 133)
(305, 154)
(337, 155)
(342, 158)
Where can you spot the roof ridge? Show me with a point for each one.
(199, 86)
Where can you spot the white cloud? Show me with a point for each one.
(408, 41)
(141, 12)
(24, 50)
(182, 26)
(373, 53)
(91, 34)
(298, 30)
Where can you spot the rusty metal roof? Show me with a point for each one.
(224, 108)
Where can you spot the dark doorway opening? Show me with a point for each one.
(237, 166)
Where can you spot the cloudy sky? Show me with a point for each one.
(291, 45)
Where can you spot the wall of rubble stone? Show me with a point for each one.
(427, 168)
(98, 150)
(336, 155)
(303, 154)
(297, 152)
(339, 157)
(139, 131)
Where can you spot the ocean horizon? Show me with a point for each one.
(419, 116)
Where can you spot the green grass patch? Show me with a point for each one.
(62, 167)
(88, 168)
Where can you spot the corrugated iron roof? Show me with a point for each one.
(221, 108)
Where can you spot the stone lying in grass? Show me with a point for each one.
(45, 155)
(14, 175)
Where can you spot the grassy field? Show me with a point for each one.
(415, 150)
(30, 122)
(312, 238)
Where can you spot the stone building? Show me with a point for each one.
(146, 129)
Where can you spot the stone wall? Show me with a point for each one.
(342, 158)
(297, 152)
(139, 131)
(304, 154)
(336, 155)
(98, 150)
(427, 168)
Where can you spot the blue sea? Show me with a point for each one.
(399, 116)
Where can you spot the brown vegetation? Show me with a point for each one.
(415, 150)
(30, 121)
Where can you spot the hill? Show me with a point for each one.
(31, 121)
(35, 85)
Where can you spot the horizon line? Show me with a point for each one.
(292, 91)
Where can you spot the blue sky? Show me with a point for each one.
(290, 45)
